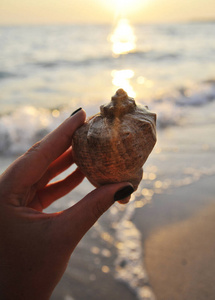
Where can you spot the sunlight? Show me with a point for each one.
(121, 79)
(123, 8)
(124, 5)
(123, 38)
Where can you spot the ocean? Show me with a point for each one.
(48, 71)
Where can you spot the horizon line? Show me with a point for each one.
(61, 23)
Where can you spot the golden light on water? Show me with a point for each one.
(123, 38)
(158, 184)
(55, 113)
(107, 237)
(95, 250)
(121, 79)
(123, 41)
(105, 269)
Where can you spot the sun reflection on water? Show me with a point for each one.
(123, 38)
(121, 79)
(123, 41)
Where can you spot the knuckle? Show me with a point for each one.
(38, 150)
(34, 148)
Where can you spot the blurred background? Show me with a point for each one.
(58, 56)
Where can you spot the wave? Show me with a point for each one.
(20, 129)
(16, 137)
(6, 75)
(152, 55)
(197, 95)
(73, 63)
(147, 55)
(129, 262)
(174, 107)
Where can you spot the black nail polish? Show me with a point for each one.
(74, 112)
(123, 193)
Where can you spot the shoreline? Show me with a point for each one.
(177, 230)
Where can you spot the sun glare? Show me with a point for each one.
(123, 38)
(121, 79)
(123, 8)
(123, 41)
(124, 5)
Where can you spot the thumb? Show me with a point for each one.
(78, 219)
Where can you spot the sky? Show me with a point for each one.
(103, 11)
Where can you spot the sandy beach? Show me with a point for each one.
(177, 226)
(179, 242)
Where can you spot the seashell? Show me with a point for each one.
(113, 145)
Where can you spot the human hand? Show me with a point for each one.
(34, 246)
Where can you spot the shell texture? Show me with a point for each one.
(113, 145)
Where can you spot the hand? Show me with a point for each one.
(34, 246)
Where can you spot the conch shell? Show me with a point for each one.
(113, 145)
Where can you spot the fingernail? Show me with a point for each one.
(74, 112)
(123, 193)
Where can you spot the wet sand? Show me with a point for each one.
(179, 241)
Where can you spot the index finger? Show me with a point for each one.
(29, 168)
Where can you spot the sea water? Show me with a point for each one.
(46, 72)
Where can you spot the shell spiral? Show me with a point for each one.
(113, 145)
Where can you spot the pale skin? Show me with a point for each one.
(35, 247)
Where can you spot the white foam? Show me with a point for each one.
(197, 95)
(129, 263)
(27, 124)
(22, 128)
